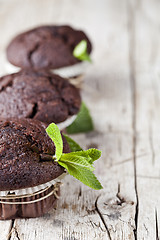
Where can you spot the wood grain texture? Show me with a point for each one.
(122, 91)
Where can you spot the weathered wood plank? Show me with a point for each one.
(109, 216)
(122, 90)
(80, 214)
(5, 229)
(145, 61)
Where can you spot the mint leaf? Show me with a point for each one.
(83, 175)
(54, 133)
(76, 161)
(80, 51)
(79, 165)
(91, 154)
(74, 147)
(82, 123)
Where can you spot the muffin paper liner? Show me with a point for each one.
(66, 72)
(67, 122)
(74, 73)
(9, 68)
(73, 70)
(6, 199)
(29, 205)
(32, 190)
(77, 81)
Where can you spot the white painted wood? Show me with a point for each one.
(122, 91)
(5, 229)
(147, 56)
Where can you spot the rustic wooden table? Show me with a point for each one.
(122, 90)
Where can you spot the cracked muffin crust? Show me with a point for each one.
(26, 154)
(38, 95)
(47, 47)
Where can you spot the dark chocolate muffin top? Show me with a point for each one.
(40, 95)
(25, 154)
(47, 47)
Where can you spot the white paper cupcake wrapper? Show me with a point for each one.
(66, 72)
(31, 190)
(77, 81)
(72, 71)
(9, 68)
(67, 122)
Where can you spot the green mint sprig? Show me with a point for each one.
(82, 123)
(78, 163)
(80, 51)
(54, 133)
(74, 147)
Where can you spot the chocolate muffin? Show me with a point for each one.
(48, 47)
(28, 174)
(39, 95)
